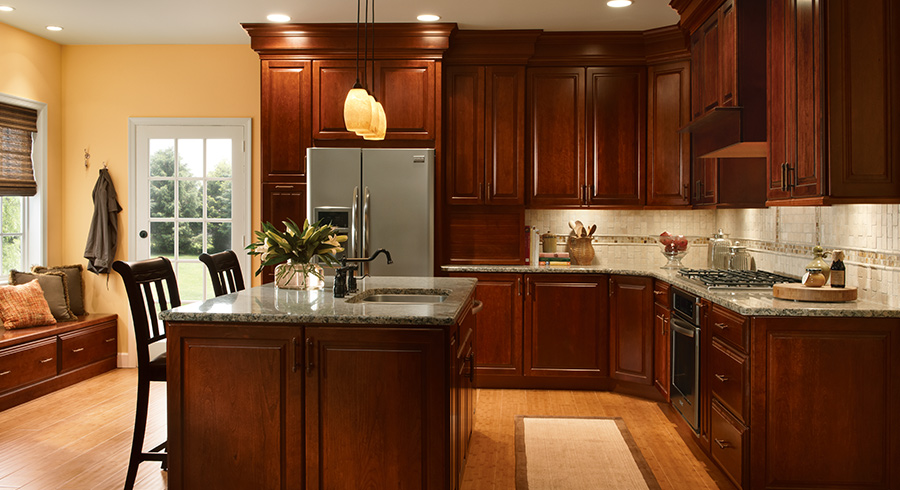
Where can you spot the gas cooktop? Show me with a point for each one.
(717, 279)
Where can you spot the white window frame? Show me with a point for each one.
(34, 248)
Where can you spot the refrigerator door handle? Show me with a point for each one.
(354, 208)
(365, 230)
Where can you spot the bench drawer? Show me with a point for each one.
(728, 377)
(27, 363)
(729, 439)
(730, 326)
(88, 346)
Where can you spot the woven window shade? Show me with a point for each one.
(16, 171)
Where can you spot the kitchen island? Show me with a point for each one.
(282, 389)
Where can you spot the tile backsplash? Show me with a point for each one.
(779, 238)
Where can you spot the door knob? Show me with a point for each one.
(143, 234)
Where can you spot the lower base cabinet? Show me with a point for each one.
(315, 407)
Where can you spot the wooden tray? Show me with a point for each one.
(824, 294)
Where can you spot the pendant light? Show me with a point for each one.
(358, 104)
(378, 123)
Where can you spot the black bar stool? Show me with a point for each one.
(151, 288)
(225, 272)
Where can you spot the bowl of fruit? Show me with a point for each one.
(674, 248)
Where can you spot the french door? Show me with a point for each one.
(190, 194)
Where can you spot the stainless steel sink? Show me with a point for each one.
(396, 298)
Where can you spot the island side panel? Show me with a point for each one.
(377, 408)
(235, 406)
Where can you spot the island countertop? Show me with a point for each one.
(268, 304)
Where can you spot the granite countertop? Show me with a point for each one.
(268, 304)
(756, 303)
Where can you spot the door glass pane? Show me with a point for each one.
(162, 199)
(218, 237)
(12, 253)
(190, 276)
(218, 199)
(162, 157)
(162, 239)
(12, 214)
(190, 239)
(218, 158)
(190, 201)
(190, 158)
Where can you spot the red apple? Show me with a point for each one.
(681, 243)
(665, 239)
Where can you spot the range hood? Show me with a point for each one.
(729, 132)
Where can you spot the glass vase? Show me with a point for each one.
(291, 275)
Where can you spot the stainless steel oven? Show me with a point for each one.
(685, 390)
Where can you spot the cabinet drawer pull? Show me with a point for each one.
(722, 326)
(284, 187)
(658, 293)
(721, 377)
(45, 361)
(109, 340)
(78, 349)
(4, 373)
(309, 356)
(661, 318)
(723, 443)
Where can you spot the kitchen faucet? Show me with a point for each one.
(344, 281)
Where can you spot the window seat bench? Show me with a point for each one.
(38, 360)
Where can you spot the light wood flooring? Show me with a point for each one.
(78, 438)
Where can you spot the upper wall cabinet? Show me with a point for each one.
(834, 102)
(578, 161)
(285, 111)
(668, 151)
(485, 134)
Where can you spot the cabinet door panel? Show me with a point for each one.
(406, 89)
(616, 132)
(396, 378)
(807, 179)
(279, 203)
(631, 328)
(727, 55)
(668, 151)
(264, 391)
(662, 348)
(556, 135)
(285, 113)
(504, 139)
(499, 325)
(567, 326)
(465, 135)
(709, 69)
(332, 79)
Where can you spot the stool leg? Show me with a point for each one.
(140, 426)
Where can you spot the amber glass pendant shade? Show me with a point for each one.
(379, 124)
(358, 110)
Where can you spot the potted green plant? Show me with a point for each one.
(292, 252)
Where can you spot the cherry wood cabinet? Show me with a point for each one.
(285, 127)
(256, 440)
(833, 102)
(556, 136)
(631, 328)
(567, 325)
(282, 201)
(668, 151)
(499, 328)
(462, 350)
(662, 341)
(395, 377)
(485, 128)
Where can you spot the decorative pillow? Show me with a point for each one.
(53, 284)
(73, 283)
(24, 306)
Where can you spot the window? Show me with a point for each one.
(22, 228)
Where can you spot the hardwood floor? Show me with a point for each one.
(78, 438)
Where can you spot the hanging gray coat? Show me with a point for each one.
(102, 239)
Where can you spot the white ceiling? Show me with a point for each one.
(218, 21)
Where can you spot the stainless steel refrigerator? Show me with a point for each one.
(379, 198)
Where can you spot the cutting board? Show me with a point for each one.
(825, 294)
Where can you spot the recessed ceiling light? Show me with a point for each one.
(618, 3)
(429, 17)
(6, 8)
(278, 18)
(54, 28)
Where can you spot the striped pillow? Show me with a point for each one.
(24, 306)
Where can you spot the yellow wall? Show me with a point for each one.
(105, 85)
(91, 91)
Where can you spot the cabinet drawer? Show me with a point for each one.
(27, 363)
(727, 377)
(661, 294)
(727, 448)
(87, 346)
(730, 326)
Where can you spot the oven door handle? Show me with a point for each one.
(686, 331)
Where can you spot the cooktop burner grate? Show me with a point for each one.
(730, 279)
